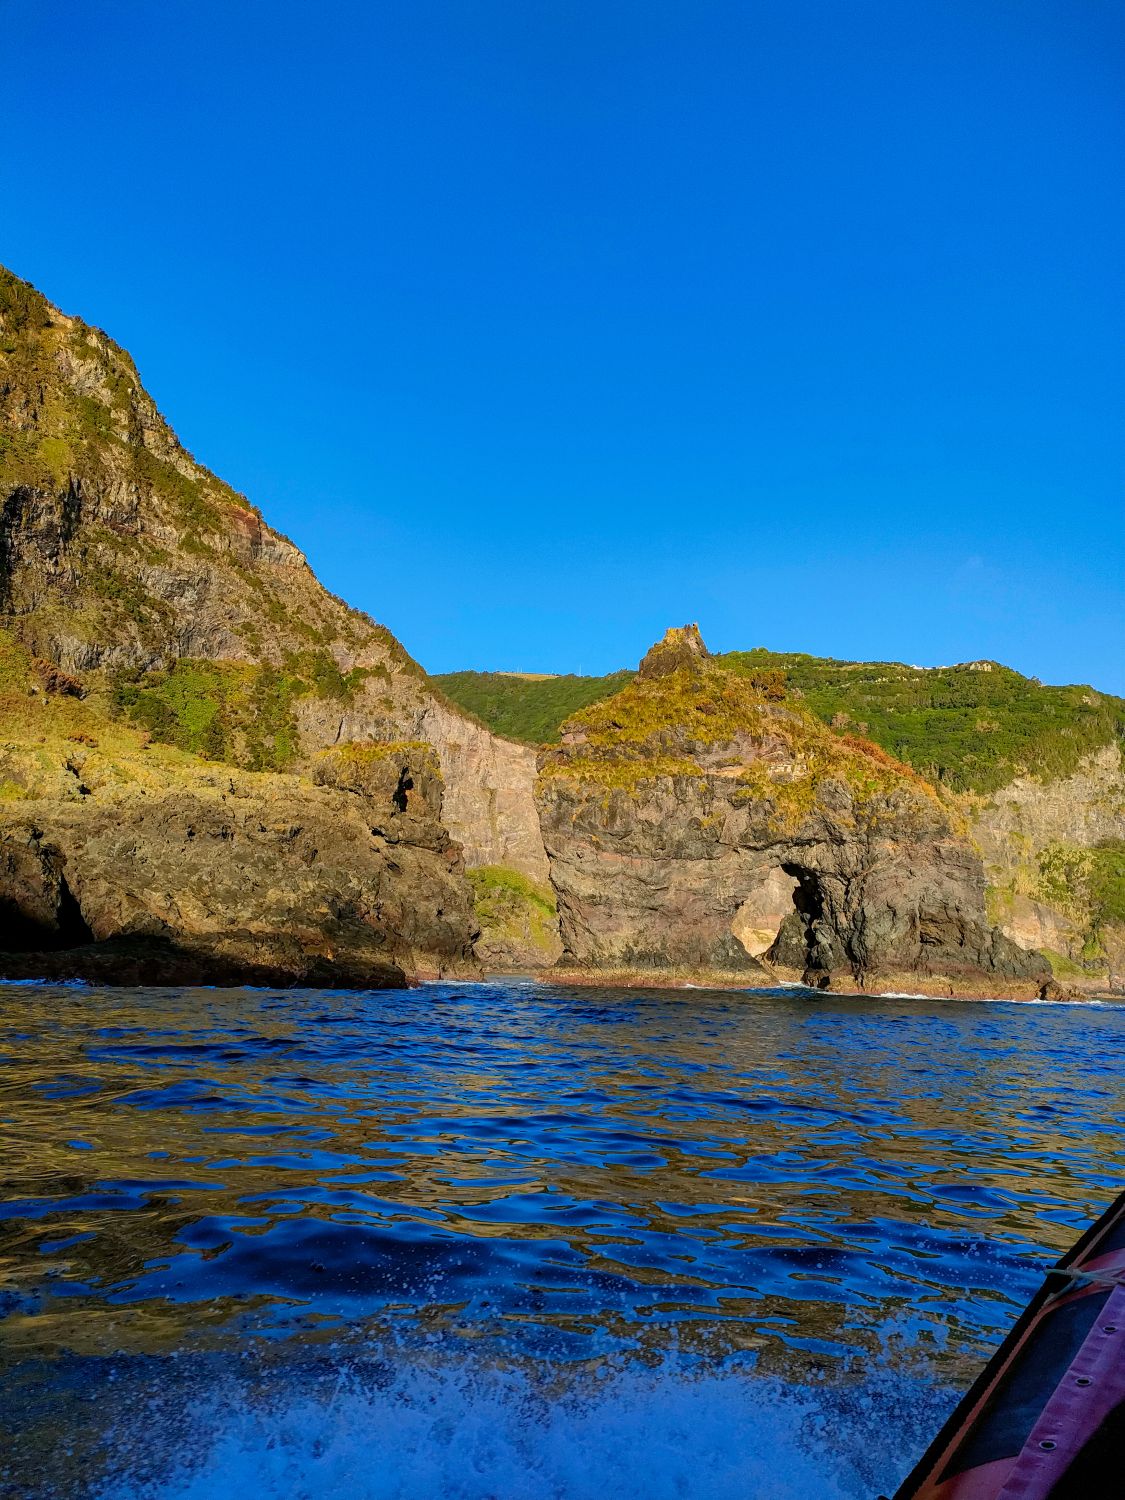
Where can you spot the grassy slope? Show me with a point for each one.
(659, 726)
(972, 730)
(72, 403)
(969, 729)
(54, 745)
(526, 709)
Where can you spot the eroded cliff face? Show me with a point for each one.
(1041, 839)
(678, 813)
(489, 804)
(126, 565)
(149, 866)
(1031, 813)
(690, 821)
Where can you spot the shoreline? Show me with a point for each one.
(901, 985)
(148, 966)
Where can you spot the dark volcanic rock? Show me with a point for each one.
(691, 820)
(232, 877)
(155, 961)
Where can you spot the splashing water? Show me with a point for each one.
(474, 1433)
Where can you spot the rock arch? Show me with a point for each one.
(759, 918)
(806, 940)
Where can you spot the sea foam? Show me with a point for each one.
(473, 1433)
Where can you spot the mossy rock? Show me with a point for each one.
(519, 925)
(404, 773)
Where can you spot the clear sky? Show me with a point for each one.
(543, 324)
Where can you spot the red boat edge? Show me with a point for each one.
(1045, 1420)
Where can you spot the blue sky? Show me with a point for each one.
(541, 326)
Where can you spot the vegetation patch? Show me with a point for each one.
(23, 308)
(675, 723)
(1063, 967)
(701, 706)
(1086, 885)
(239, 712)
(512, 909)
(1107, 883)
(226, 711)
(323, 675)
(973, 727)
(619, 772)
(530, 710)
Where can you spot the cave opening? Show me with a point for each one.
(24, 931)
(808, 894)
(805, 939)
(401, 797)
(759, 917)
(73, 929)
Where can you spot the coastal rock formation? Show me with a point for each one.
(519, 921)
(1036, 771)
(166, 601)
(489, 804)
(1034, 812)
(166, 871)
(179, 694)
(677, 812)
(1043, 841)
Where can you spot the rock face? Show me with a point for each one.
(126, 565)
(209, 762)
(204, 874)
(1031, 813)
(518, 919)
(489, 804)
(677, 813)
(1038, 837)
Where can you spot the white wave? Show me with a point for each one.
(472, 1434)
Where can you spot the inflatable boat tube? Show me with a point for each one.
(1046, 1418)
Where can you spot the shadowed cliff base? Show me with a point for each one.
(775, 978)
(155, 962)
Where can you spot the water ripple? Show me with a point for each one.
(556, 1175)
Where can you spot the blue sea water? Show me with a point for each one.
(522, 1240)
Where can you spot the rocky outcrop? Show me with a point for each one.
(519, 922)
(677, 812)
(1040, 838)
(696, 819)
(1031, 813)
(208, 875)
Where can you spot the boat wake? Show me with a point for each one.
(470, 1433)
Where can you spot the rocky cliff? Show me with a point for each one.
(699, 819)
(1054, 853)
(133, 568)
(139, 582)
(125, 859)
(1036, 772)
(209, 764)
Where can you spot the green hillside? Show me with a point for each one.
(971, 727)
(526, 708)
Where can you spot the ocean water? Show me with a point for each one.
(518, 1240)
